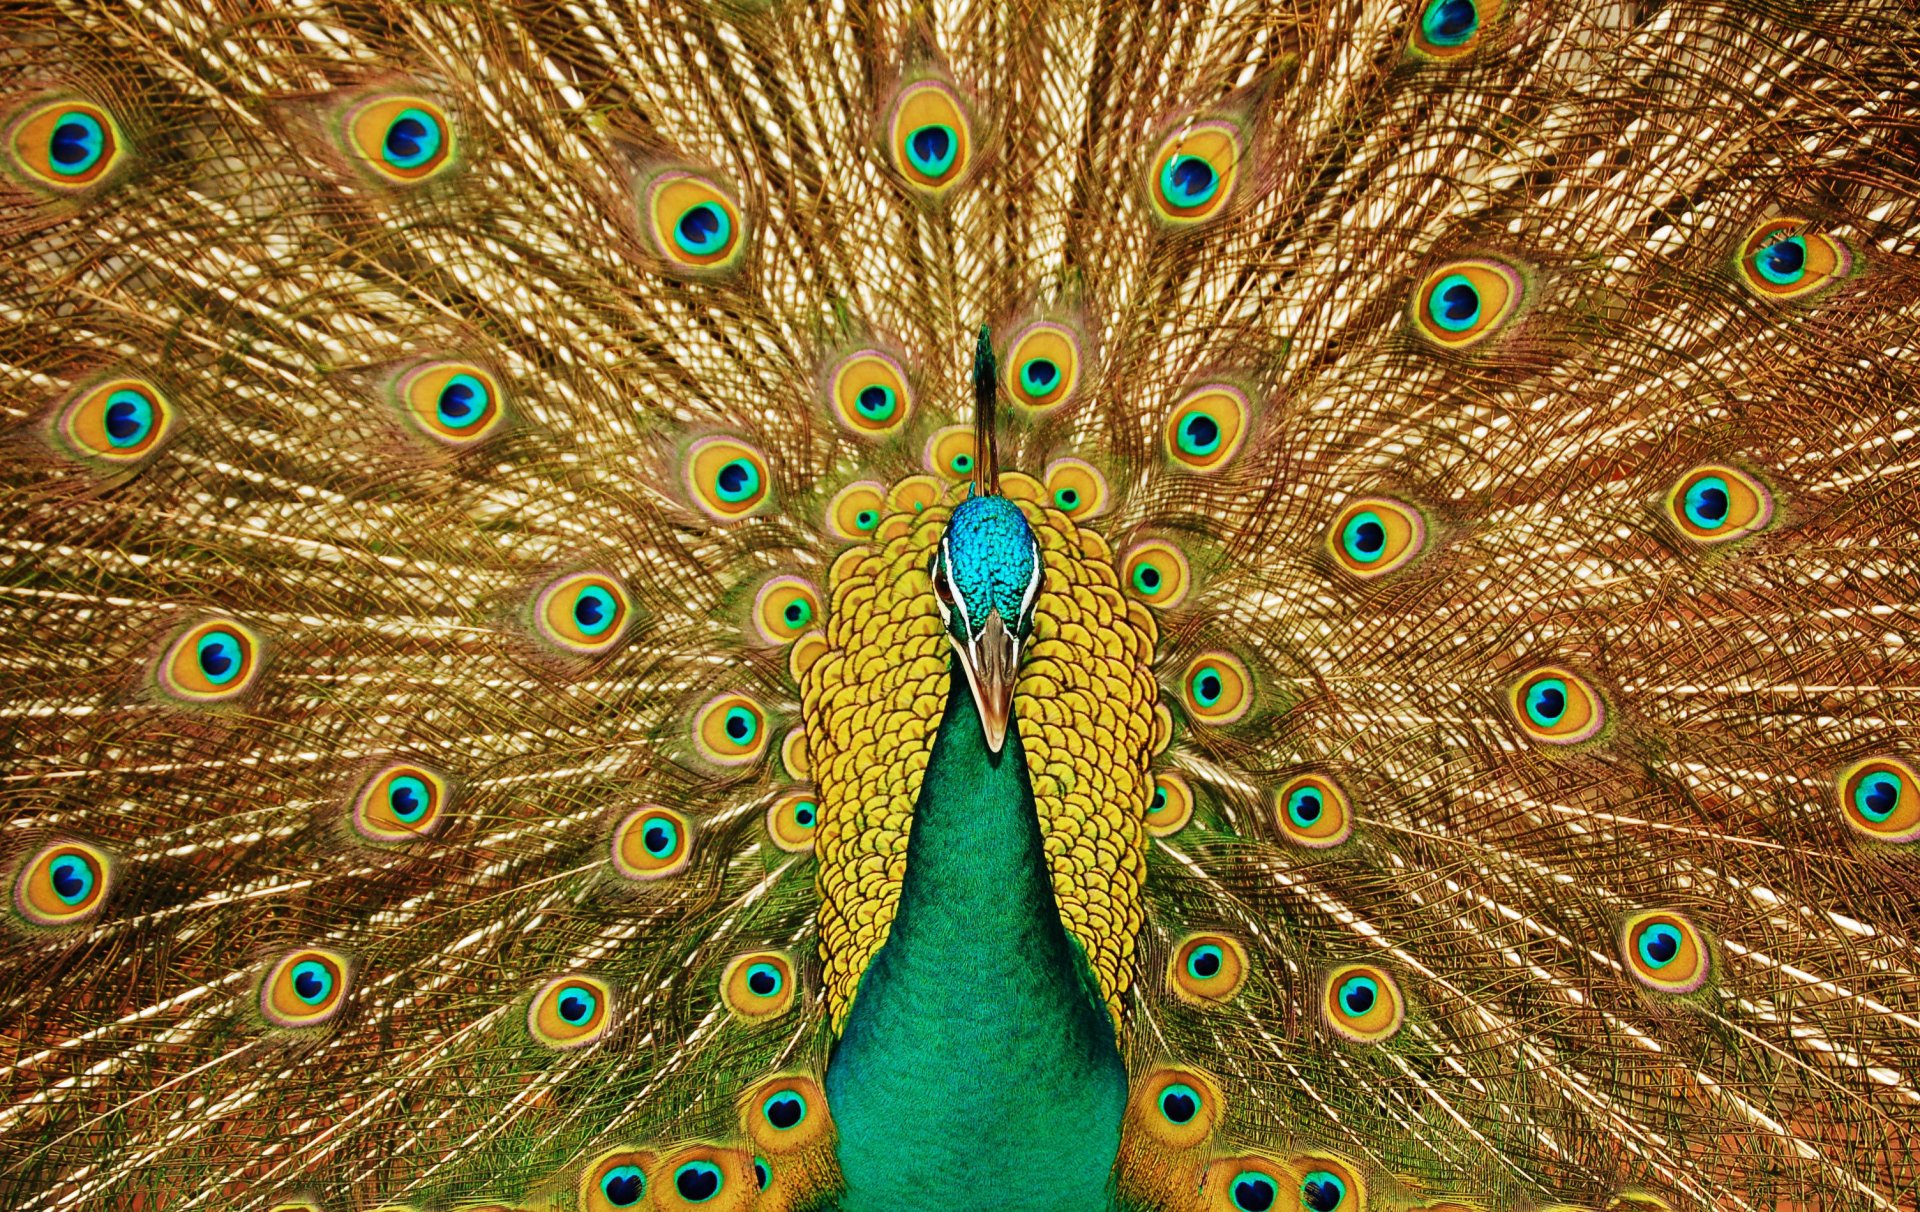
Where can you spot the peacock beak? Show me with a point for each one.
(991, 661)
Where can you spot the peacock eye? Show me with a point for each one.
(1783, 259)
(784, 1110)
(698, 1181)
(304, 988)
(1880, 799)
(115, 424)
(583, 612)
(950, 452)
(63, 884)
(1465, 302)
(869, 394)
(792, 821)
(1322, 1191)
(758, 985)
(1179, 1103)
(694, 223)
(1451, 28)
(1043, 365)
(1193, 174)
(571, 1012)
(213, 662)
(622, 1186)
(1373, 536)
(403, 140)
(1363, 1004)
(1206, 427)
(1171, 806)
(1208, 968)
(1253, 1191)
(400, 804)
(855, 511)
(65, 146)
(1216, 688)
(1314, 812)
(652, 843)
(1077, 487)
(784, 608)
(731, 730)
(1665, 952)
(1714, 503)
(1557, 707)
(929, 137)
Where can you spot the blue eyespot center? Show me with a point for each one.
(1179, 1103)
(1253, 1191)
(1365, 537)
(1547, 702)
(129, 418)
(1207, 686)
(1877, 796)
(576, 1005)
(805, 813)
(1450, 22)
(737, 480)
(623, 1186)
(785, 1110)
(1321, 1191)
(412, 139)
(698, 1181)
(1067, 499)
(875, 402)
(961, 463)
(1454, 304)
(797, 613)
(1358, 995)
(1659, 944)
(1159, 799)
(1304, 806)
(463, 401)
(1205, 962)
(72, 877)
(594, 610)
(1188, 181)
(931, 149)
(703, 229)
(1199, 434)
(219, 655)
(761, 1175)
(764, 980)
(1783, 262)
(1708, 502)
(1146, 578)
(77, 143)
(741, 725)
(311, 982)
(407, 797)
(1039, 376)
(661, 838)
(866, 519)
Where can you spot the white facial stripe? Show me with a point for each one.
(1033, 587)
(959, 599)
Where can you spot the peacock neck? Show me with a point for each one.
(978, 1067)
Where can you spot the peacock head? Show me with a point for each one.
(986, 577)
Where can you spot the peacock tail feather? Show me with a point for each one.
(504, 500)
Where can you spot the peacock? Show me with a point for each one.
(868, 605)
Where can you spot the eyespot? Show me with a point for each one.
(728, 479)
(211, 662)
(1784, 259)
(785, 608)
(1665, 952)
(1247, 1183)
(404, 140)
(63, 884)
(1205, 429)
(870, 395)
(1043, 366)
(694, 223)
(1363, 1004)
(1328, 1184)
(65, 145)
(794, 755)
(1878, 797)
(304, 988)
(1714, 503)
(950, 452)
(400, 804)
(1450, 28)
(583, 612)
(1170, 806)
(1557, 707)
(616, 1180)
(929, 137)
(916, 493)
(117, 423)
(1207, 968)
(1464, 302)
(652, 843)
(856, 510)
(456, 404)
(758, 985)
(1075, 488)
(1156, 572)
(708, 1178)
(1313, 811)
(762, 1174)
(1177, 1107)
(570, 1012)
(793, 821)
(1373, 536)
(1215, 688)
(731, 730)
(1193, 174)
(785, 1114)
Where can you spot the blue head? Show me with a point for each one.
(986, 576)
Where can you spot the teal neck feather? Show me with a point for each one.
(978, 1067)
